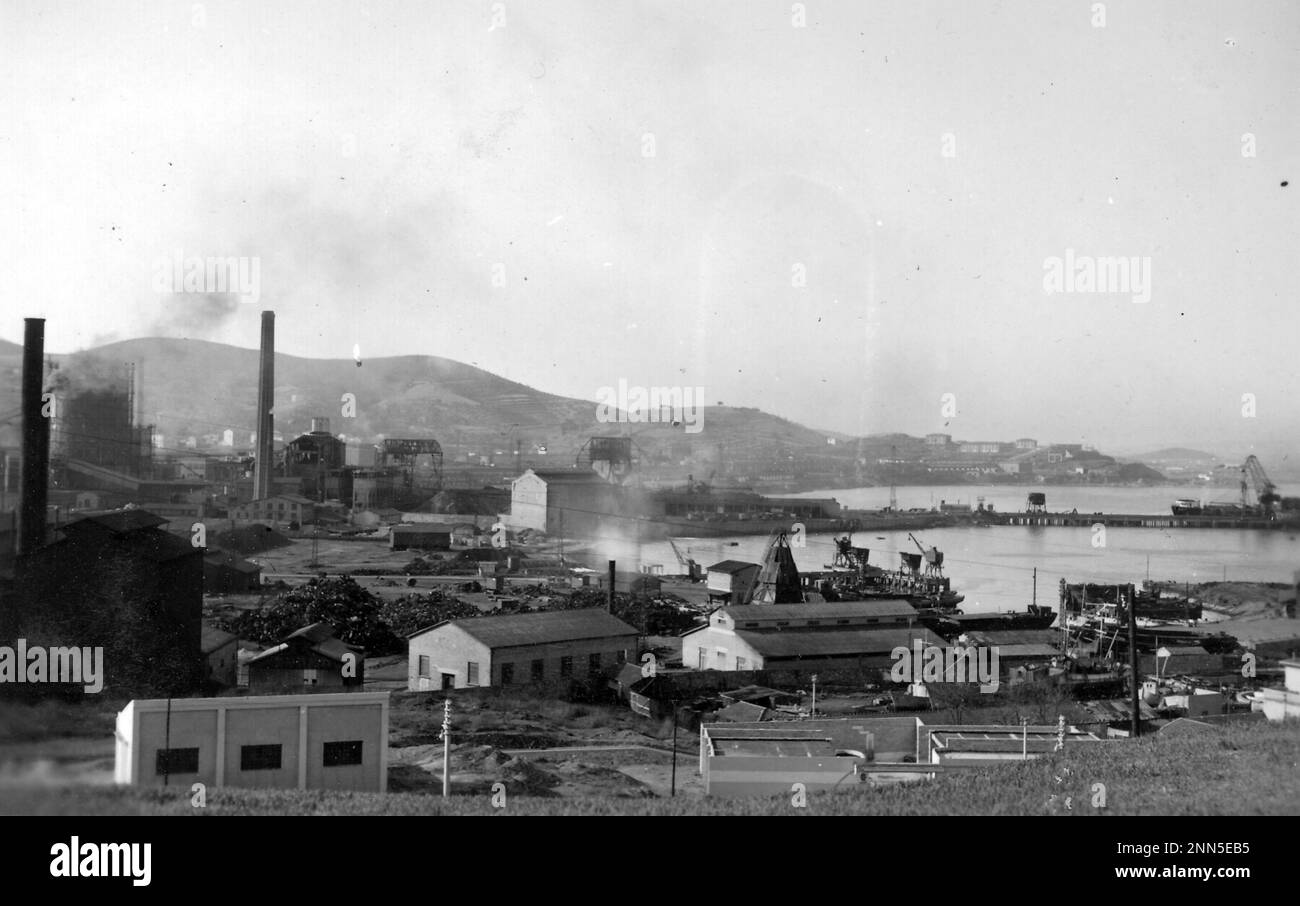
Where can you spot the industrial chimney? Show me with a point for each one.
(265, 405)
(36, 441)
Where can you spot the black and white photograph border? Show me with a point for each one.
(551, 407)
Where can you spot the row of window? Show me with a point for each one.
(702, 662)
(749, 624)
(537, 668)
(256, 758)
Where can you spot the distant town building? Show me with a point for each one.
(1026, 443)
(321, 742)
(938, 440)
(283, 508)
(982, 446)
(520, 649)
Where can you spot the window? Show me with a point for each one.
(471, 672)
(783, 622)
(814, 622)
(424, 665)
(622, 655)
(340, 754)
(507, 674)
(703, 655)
(566, 666)
(259, 758)
(741, 663)
(842, 622)
(593, 664)
(538, 670)
(309, 677)
(751, 625)
(177, 761)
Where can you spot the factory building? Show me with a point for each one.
(318, 742)
(282, 510)
(558, 501)
(310, 659)
(843, 634)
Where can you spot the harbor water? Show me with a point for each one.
(993, 566)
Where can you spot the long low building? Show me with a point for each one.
(522, 648)
(773, 636)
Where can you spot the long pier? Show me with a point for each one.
(1131, 520)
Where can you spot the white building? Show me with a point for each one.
(522, 648)
(1285, 702)
(326, 742)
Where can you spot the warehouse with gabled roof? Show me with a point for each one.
(541, 647)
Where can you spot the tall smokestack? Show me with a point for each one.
(36, 441)
(265, 405)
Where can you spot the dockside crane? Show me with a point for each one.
(1255, 479)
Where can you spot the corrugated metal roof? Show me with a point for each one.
(830, 610)
(540, 628)
(845, 642)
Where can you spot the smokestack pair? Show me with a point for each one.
(265, 404)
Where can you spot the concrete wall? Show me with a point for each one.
(528, 503)
(734, 776)
(449, 649)
(221, 727)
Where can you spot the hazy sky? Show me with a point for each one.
(650, 181)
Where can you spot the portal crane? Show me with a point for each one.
(1254, 478)
(933, 557)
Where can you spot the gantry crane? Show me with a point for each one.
(1254, 478)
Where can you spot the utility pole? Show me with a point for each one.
(1136, 726)
(446, 748)
(1035, 599)
(813, 712)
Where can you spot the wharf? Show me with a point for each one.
(1138, 520)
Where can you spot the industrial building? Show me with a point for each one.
(844, 634)
(768, 758)
(221, 652)
(310, 659)
(421, 536)
(282, 509)
(94, 553)
(731, 582)
(1285, 702)
(524, 648)
(555, 502)
(321, 742)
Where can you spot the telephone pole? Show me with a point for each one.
(446, 748)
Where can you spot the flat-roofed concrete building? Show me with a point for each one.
(767, 758)
(732, 581)
(1284, 702)
(521, 648)
(327, 742)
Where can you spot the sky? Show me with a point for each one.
(845, 213)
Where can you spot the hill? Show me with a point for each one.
(195, 387)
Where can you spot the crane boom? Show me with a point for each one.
(1254, 478)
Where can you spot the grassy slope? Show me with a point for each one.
(1252, 770)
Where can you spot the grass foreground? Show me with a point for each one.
(1244, 770)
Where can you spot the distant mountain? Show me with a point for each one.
(1175, 454)
(195, 387)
